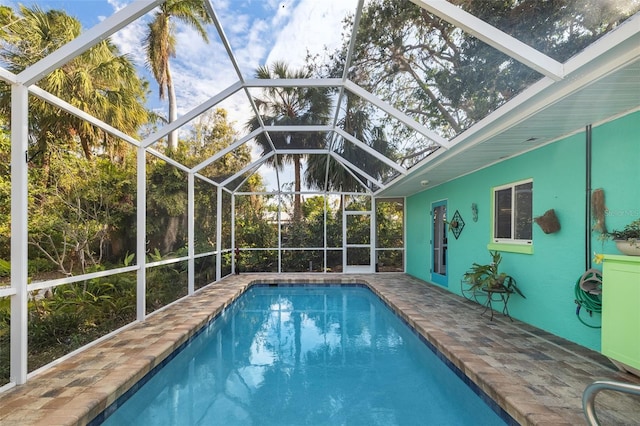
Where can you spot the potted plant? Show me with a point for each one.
(628, 239)
(489, 278)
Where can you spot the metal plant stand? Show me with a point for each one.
(497, 295)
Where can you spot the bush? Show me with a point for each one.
(5, 268)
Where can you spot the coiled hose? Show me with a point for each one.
(588, 293)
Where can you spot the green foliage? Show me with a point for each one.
(205, 271)
(389, 224)
(70, 316)
(290, 106)
(446, 78)
(100, 81)
(487, 276)
(40, 265)
(73, 315)
(5, 268)
(5, 190)
(86, 207)
(253, 227)
(165, 284)
(631, 231)
(128, 259)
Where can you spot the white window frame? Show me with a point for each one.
(512, 240)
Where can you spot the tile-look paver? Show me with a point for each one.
(536, 377)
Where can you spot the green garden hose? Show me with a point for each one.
(588, 293)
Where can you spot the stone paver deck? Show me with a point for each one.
(536, 377)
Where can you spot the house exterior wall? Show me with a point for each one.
(548, 275)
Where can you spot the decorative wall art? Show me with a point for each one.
(456, 224)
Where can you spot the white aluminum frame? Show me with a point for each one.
(19, 232)
(23, 84)
(494, 37)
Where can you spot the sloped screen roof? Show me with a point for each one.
(351, 95)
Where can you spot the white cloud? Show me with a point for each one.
(312, 26)
(130, 41)
(118, 4)
(283, 12)
(251, 55)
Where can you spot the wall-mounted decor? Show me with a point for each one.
(456, 224)
(598, 210)
(548, 222)
(474, 212)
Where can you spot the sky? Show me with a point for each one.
(259, 32)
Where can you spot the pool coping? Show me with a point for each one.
(79, 388)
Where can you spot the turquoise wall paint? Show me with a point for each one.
(548, 276)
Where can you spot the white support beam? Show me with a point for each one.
(324, 233)
(494, 37)
(19, 232)
(234, 61)
(311, 151)
(345, 75)
(225, 41)
(41, 285)
(351, 167)
(191, 248)
(397, 114)
(7, 76)
(86, 40)
(248, 168)
(352, 42)
(65, 106)
(141, 234)
(256, 111)
(7, 292)
(371, 151)
(293, 82)
(234, 265)
(206, 179)
(168, 160)
(194, 113)
(218, 233)
(623, 34)
(348, 59)
(343, 203)
(234, 192)
(279, 232)
(310, 192)
(327, 168)
(373, 255)
(227, 150)
(303, 128)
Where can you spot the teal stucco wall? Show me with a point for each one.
(548, 275)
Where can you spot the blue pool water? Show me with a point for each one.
(294, 355)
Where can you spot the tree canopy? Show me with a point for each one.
(283, 106)
(448, 79)
(160, 44)
(100, 81)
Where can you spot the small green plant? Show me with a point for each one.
(488, 277)
(630, 233)
(5, 268)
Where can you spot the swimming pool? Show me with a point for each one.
(305, 355)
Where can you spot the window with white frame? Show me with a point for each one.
(512, 212)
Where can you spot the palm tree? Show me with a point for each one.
(357, 122)
(161, 46)
(281, 106)
(100, 82)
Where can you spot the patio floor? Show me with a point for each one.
(538, 378)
